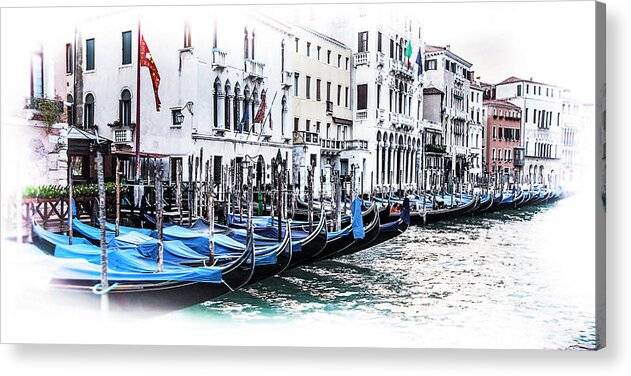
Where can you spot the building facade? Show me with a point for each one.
(503, 143)
(323, 134)
(451, 74)
(541, 107)
(387, 98)
(215, 74)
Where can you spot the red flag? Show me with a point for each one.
(260, 115)
(146, 60)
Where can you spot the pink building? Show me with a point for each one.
(504, 153)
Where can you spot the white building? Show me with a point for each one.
(215, 71)
(541, 106)
(386, 97)
(475, 133)
(573, 123)
(452, 75)
(323, 134)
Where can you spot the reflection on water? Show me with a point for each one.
(512, 279)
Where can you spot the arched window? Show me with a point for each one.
(255, 98)
(236, 106)
(124, 108)
(246, 43)
(245, 127)
(283, 114)
(227, 108)
(216, 91)
(70, 109)
(88, 112)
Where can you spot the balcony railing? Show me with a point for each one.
(361, 115)
(401, 68)
(361, 58)
(433, 148)
(254, 68)
(306, 138)
(219, 58)
(329, 143)
(357, 145)
(329, 107)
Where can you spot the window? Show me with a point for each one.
(328, 91)
(527, 88)
(318, 52)
(308, 48)
(328, 56)
(89, 54)
(346, 64)
(547, 92)
(446, 64)
(378, 96)
(430, 64)
(126, 38)
(534, 115)
(494, 155)
(339, 94)
(176, 116)
(296, 80)
(339, 61)
(124, 108)
(187, 35)
(362, 41)
(526, 115)
(68, 58)
(70, 109)
(296, 124)
(308, 125)
(88, 113)
(216, 92)
(519, 90)
(297, 44)
(308, 88)
(379, 41)
(346, 97)
(362, 97)
(558, 119)
(494, 132)
(391, 49)
(318, 89)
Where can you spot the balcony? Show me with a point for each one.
(219, 59)
(356, 145)
(401, 69)
(361, 115)
(329, 107)
(306, 138)
(406, 121)
(361, 58)
(433, 148)
(331, 144)
(254, 69)
(286, 79)
(431, 126)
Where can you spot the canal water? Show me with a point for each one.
(517, 279)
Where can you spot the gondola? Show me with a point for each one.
(371, 233)
(144, 288)
(390, 226)
(432, 216)
(486, 202)
(342, 240)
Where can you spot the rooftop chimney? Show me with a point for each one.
(447, 46)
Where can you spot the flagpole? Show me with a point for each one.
(137, 128)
